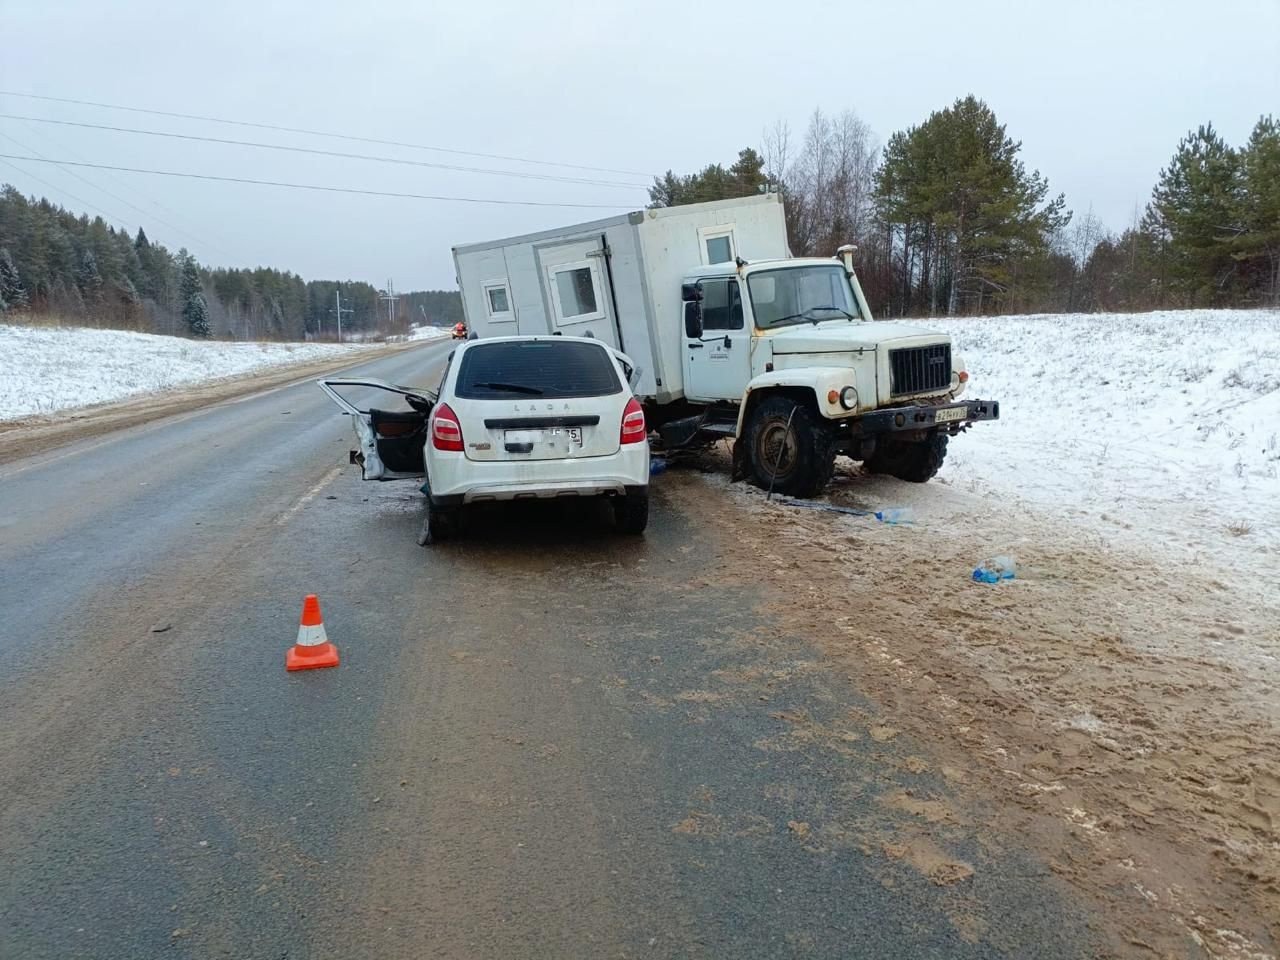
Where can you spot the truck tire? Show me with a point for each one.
(631, 513)
(804, 452)
(915, 462)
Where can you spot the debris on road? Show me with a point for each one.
(996, 569)
(820, 505)
(896, 515)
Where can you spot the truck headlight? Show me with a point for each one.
(849, 398)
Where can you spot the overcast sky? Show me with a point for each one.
(1098, 92)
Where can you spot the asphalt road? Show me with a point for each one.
(525, 752)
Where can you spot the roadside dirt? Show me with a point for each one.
(1117, 712)
(28, 436)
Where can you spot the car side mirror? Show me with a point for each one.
(691, 291)
(693, 320)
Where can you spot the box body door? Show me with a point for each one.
(575, 284)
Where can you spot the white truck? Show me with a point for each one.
(734, 338)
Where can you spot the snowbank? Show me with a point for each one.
(44, 369)
(1163, 425)
(429, 333)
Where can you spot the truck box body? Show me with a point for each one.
(617, 278)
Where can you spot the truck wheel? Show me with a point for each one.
(439, 523)
(631, 513)
(915, 462)
(789, 448)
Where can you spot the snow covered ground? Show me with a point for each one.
(1164, 427)
(429, 333)
(45, 369)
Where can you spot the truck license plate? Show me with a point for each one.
(948, 414)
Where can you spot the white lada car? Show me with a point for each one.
(514, 418)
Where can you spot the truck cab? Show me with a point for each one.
(786, 358)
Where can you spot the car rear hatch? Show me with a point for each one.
(539, 400)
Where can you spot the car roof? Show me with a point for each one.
(535, 338)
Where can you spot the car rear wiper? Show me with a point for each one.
(513, 387)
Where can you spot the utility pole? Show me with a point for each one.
(391, 298)
(339, 309)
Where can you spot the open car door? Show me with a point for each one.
(391, 441)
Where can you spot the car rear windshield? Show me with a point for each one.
(536, 368)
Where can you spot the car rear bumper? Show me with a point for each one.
(452, 479)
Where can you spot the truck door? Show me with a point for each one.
(575, 279)
(717, 362)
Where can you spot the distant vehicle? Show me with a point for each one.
(780, 354)
(514, 418)
(459, 331)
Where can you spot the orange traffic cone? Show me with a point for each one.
(313, 648)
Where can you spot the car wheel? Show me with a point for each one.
(439, 523)
(631, 513)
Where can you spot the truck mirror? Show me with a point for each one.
(690, 291)
(693, 320)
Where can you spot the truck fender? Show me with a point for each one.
(813, 381)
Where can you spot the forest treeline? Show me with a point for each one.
(84, 270)
(948, 220)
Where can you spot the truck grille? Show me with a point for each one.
(919, 369)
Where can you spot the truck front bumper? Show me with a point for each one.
(952, 417)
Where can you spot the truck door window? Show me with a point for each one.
(721, 305)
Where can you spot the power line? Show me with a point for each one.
(113, 196)
(312, 186)
(326, 153)
(322, 133)
(62, 190)
(128, 188)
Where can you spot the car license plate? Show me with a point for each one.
(948, 414)
(575, 435)
(523, 436)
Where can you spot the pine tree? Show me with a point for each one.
(744, 178)
(13, 296)
(89, 283)
(195, 311)
(966, 204)
(1196, 208)
(1258, 246)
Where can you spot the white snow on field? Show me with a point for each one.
(44, 369)
(1163, 426)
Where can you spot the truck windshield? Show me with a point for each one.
(801, 295)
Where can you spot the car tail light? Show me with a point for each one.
(633, 428)
(446, 432)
